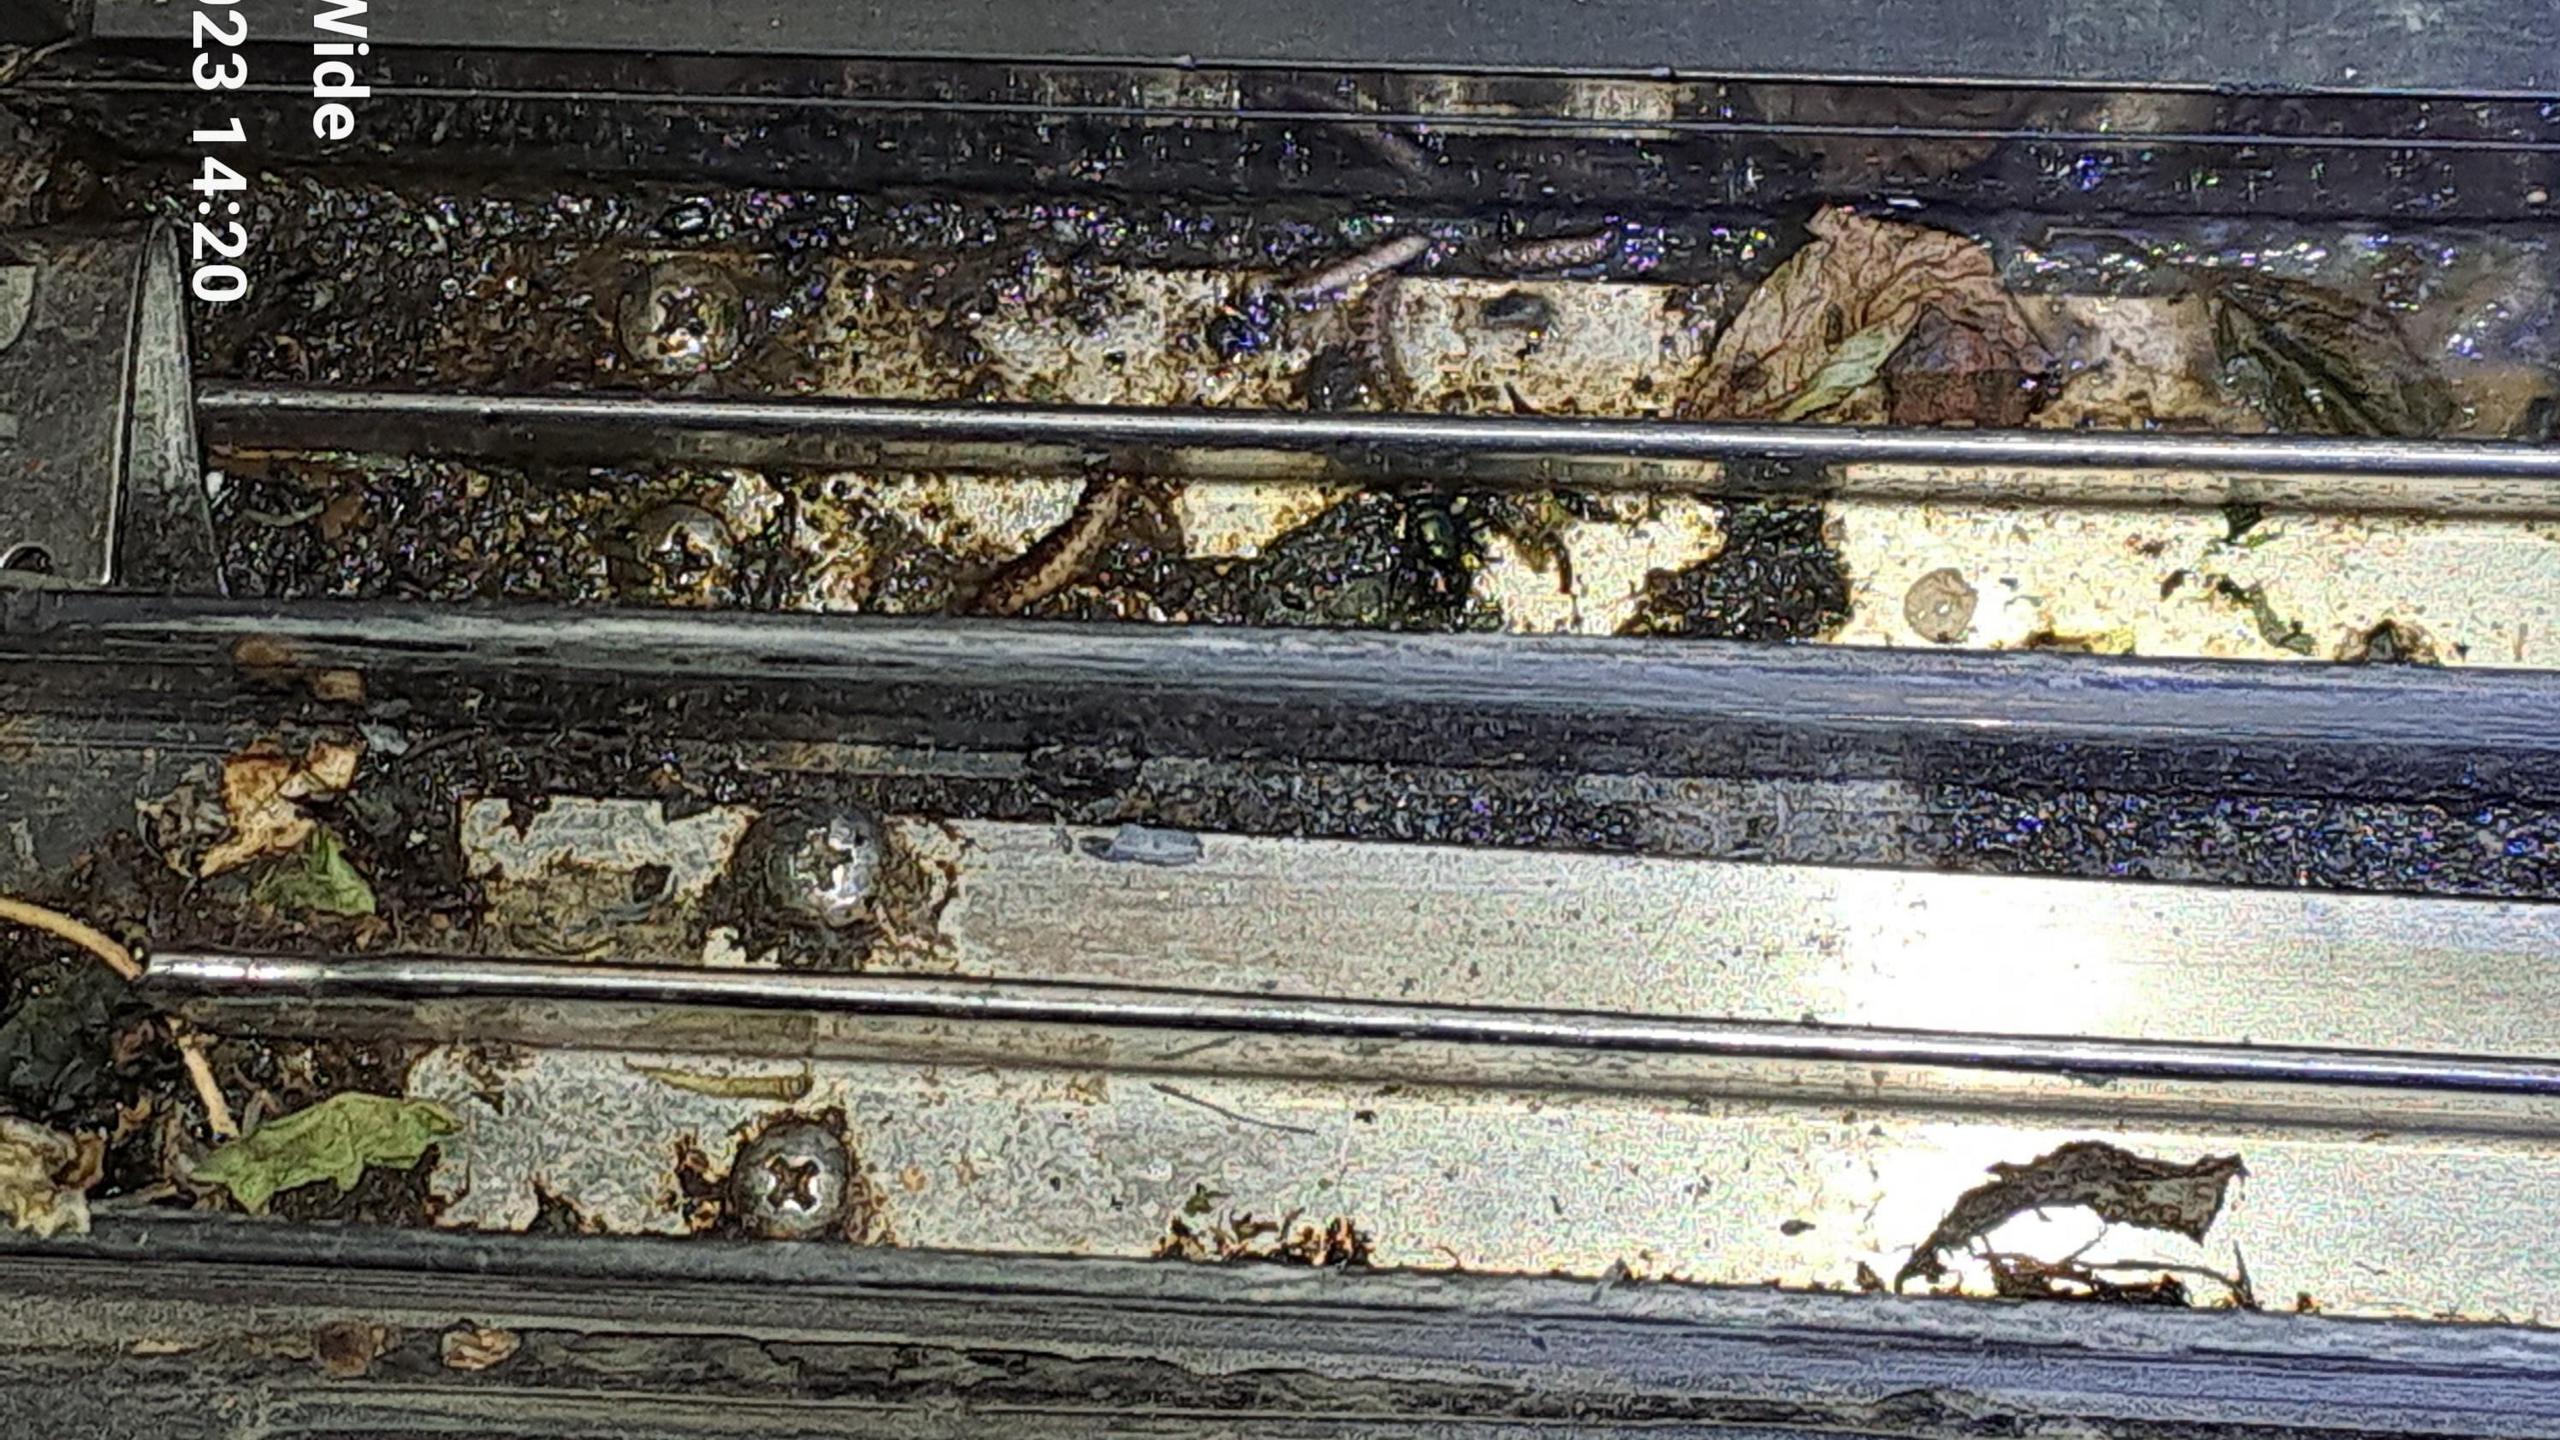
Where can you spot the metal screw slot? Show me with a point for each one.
(790, 1183)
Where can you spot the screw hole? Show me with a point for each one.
(29, 560)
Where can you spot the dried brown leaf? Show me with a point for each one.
(45, 1177)
(262, 788)
(2116, 1185)
(1823, 327)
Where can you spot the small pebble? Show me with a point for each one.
(1940, 606)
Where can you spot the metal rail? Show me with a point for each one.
(2443, 475)
(183, 977)
(2467, 46)
(2406, 732)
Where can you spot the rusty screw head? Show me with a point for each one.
(684, 317)
(792, 1182)
(825, 869)
(687, 546)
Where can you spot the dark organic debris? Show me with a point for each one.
(1777, 578)
(1950, 372)
(59, 1045)
(2276, 628)
(2391, 643)
(2116, 1185)
(2023, 1277)
(1240, 1237)
(346, 1349)
(2318, 361)
(2239, 517)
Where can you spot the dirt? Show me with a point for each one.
(1778, 577)
(433, 530)
(1239, 1238)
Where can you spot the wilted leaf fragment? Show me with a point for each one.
(45, 1178)
(262, 788)
(2320, 362)
(333, 1140)
(1849, 309)
(2118, 1186)
(317, 880)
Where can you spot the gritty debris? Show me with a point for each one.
(472, 1348)
(1339, 1244)
(2118, 1186)
(45, 1178)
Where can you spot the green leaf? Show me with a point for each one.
(316, 878)
(1852, 367)
(333, 1140)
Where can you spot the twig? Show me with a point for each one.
(1564, 252)
(1213, 1107)
(217, 1111)
(1360, 269)
(2242, 1291)
(17, 60)
(119, 959)
(63, 927)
